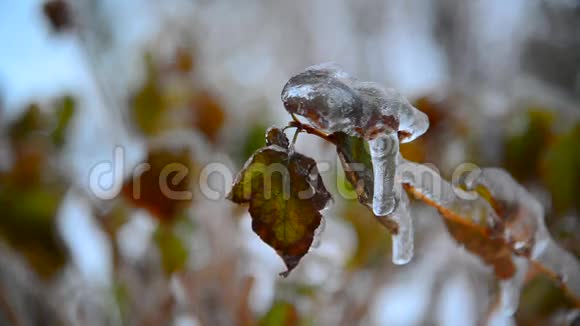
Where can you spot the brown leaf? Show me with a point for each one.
(172, 169)
(58, 14)
(208, 114)
(285, 193)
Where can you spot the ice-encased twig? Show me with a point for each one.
(509, 290)
(384, 150)
(427, 181)
(546, 254)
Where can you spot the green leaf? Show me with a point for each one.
(285, 193)
(355, 158)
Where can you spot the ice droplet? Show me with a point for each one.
(403, 246)
(384, 150)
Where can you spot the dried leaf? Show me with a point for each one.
(285, 193)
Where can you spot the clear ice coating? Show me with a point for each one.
(384, 150)
(525, 227)
(332, 100)
(510, 289)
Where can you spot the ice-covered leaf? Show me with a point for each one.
(275, 136)
(521, 216)
(333, 101)
(493, 251)
(356, 162)
(286, 194)
(470, 222)
(358, 166)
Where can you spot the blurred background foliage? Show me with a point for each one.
(193, 82)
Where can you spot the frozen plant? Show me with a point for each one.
(366, 122)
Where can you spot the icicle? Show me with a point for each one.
(510, 289)
(403, 246)
(384, 150)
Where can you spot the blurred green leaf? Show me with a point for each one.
(64, 113)
(280, 314)
(527, 138)
(254, 140)
(148, 104)
(540, 298)
(28, 225)
(373, 243)
(171, 247)
(561, 170)
(27, 125)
